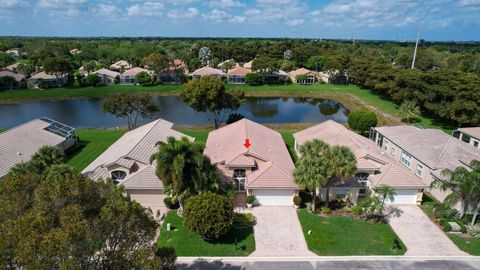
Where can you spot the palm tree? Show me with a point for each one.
(475, 192)
(341, 163)
(46, 157)
(385, 192)
(459, 183)
(409, 110)
(310, 168)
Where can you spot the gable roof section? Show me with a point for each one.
(239, 71)
(205, 71)
(107, 72)
(226, 144)
(134, 71)
(300, 71)
(8, 73)
(369, 156)
(145, 178)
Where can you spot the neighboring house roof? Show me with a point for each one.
(135, 146)
(235, 64)
(432, 147)
(225, 145)
(178, 63)
(369, 156)
(239, 71)
(471, 131)
(13, 67)
(300, 71)
(46, 76)
(8, 73)
(330, 73)
(107, 72)
(205, 71)
(120, 64)
(134, 71)
(20, 143)
(248, 64)
(75, 51)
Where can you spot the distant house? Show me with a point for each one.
(175, 74)
(20, 143)
(237, 75)
(15, 53)
(107, 76)
(75, 51)
(15, 83)
(207, 71)
(426, 153)
(120, 66)
(277, 76)
(374, 169)
(127, 162)
(45, 80)
(303, 76)
(333, 77)
(221, 65)
(128, 77)
(248, 64)
(469, 135)
(13, 67)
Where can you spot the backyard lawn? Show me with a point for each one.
(345, 236)
(187, 243)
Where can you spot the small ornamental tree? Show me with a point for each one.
(143, 78)
(362, 121)
(93, 80)
(253, 79)
(209, 215)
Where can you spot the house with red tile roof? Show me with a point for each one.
(237, 75)
(375, 168)
(128, 77)
(16, 82)
(263, 169)
(303, 76)
(207, 71)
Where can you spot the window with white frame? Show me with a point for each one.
(341, 193)
(362, 178)
(239, 178)
(118, 176)
(392, 150)
(419, 170)
(406, 159)
(385, 146)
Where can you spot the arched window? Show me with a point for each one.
(118, 176)
(239, 177)
(362, 178)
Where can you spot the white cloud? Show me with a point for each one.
(237, 19)
(183, 13)
(226, 4)
(106, 11)
(295, 22)
(59, 4)
(146, 9)
(10, 3)
(216, 15)
(273, 11)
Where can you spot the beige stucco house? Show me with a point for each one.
(469, 135)
(129, 76)
(127, 162)
(107, 77)
(207, 71)
(237, 75)
(120, 66)
(425, 153)
(47, 80)
(303, 76)
(264, 169)
(374, 168)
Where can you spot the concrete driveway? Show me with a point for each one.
(278, 233)
(421, 236)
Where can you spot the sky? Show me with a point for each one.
(364, 19)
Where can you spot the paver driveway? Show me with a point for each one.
(420, 234)
(278, 233)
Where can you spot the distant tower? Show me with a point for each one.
(416, 47)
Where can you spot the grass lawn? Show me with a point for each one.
(92, 143)
(468, 244)
(344, 236)
(187, 243)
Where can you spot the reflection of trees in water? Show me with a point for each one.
(307, 100)
(329, 107)
(263, 108)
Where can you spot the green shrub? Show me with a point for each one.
(362, 121)
(167, 256)
(451, 213)
(326, 210)
(92, 80)
(244, 220)
(253, 79)
(297, 200)
(358, 210)
(209, 215)
(463, 228)
(446, 227)
(143, 78)
(234, 117)
(305, 195)
(250, 199)
(170, 204)
(476, 231)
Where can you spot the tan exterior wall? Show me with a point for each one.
(351, 194)
(227, 173)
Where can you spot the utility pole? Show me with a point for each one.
(416, 47)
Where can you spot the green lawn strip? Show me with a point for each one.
(187, 243)
(345, 236)
(429, 203)
(92, 143)
(468, 244)
(200, 135)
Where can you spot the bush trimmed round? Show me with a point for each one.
(362, 121)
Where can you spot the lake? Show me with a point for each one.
(87, 113)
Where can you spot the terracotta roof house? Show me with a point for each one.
(120, 66)
(303, 76)
(333, 77)
(18, 79)
(207, 71)
(264, 169)
(470, 135)
(424, 152)
(20, 143)
(237, 75)
(127, 162)
(128, 77)
(177, 73)
(374, 168)
(47, 80)
(107, 76)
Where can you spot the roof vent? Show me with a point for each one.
(383, 153)
(19, 154)
(270, 150)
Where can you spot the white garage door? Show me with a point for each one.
(148, 198)
(405, 196)
(274, 197)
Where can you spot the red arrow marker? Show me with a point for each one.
(247, 143)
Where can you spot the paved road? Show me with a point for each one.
(334, 264)
(421, 236)
(278, 233)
